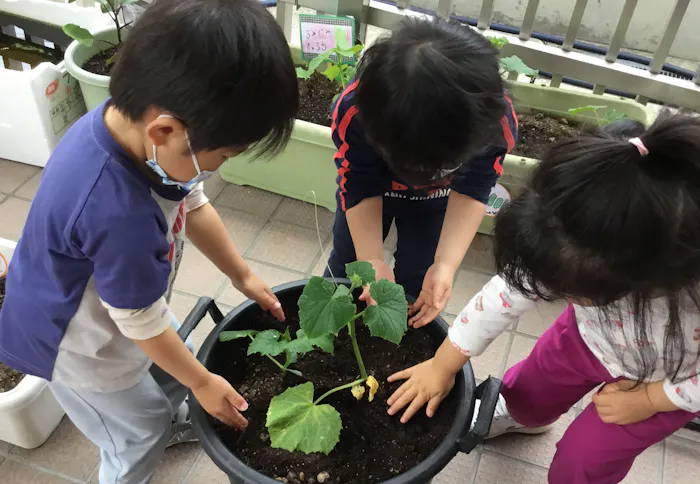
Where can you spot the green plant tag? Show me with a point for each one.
(360, 273)
(516, 64)
(267, 343)
(295, 423)
(231, 335)
(388, 319)
(80, 34)
(322, 310)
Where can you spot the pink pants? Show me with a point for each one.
(558, 373)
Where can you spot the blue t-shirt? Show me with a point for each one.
(100, 247)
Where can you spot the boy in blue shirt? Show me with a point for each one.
(196, 82)
(421, 137)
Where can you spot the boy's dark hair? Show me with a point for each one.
(429, 95)
(222, 67)
(602, 223)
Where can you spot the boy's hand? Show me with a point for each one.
(618, 404)
(436, 291)
(254, 288)
(426, 382)
(220, 400)
(383, 271)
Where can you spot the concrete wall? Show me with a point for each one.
(599, 21)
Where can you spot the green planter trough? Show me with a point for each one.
(307, 163)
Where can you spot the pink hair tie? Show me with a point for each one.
(640, 146)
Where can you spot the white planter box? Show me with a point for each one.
(39, 105)
(28, 413)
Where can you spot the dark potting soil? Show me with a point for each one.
(538, 130)
(98, 63)
(315, 97)
(373, 447)
(9, 378)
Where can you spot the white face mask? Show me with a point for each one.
(158, 170)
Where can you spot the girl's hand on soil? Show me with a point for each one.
(254, 288)
(221, 401)
(383, 271)
(437, 289)
(427, 383)
(619, 403)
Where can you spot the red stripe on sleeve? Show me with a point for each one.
(347, 91)
(497, 166)
(345, 165)
(512, 110)
(507, 133)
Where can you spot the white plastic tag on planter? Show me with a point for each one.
(499, 198)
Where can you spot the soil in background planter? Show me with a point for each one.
(373, 447)
(9, 378)
(315, 97)
(12, 48)
(538, 130)
(97, 64)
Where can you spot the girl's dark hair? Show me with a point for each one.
(429, 96)
(223, 67)
(602, 223)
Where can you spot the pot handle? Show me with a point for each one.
(204, 305)
(488, 393)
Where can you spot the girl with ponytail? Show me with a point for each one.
(609, 222)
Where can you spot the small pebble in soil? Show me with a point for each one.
(323, 477)
(264, 437)
(301, 476)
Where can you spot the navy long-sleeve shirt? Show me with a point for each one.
(362, 173)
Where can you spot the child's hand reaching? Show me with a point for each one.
(383, 271)
(221, 401)
(254, 288)
(619, 403)
(427, 383)
(437, 288)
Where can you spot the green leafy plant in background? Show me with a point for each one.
(271, 343)
(114, 8)
(513, 63)
(338, 69)
(295, 420)
(608, 117)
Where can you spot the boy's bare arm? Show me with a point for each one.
(462, 220)
(213, 392)
(208, 233)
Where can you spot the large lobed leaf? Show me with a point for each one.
(304, 344)
(80, 34)
(295, 423)
(324, 310)
(516, 64)
(388, 319)
(231, 335)
(267, 343)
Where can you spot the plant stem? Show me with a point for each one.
(356, 348)
(340, 388)
(281, 366)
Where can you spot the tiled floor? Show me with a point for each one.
(278, 237)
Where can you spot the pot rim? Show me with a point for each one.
(228, 462)
(76, 70)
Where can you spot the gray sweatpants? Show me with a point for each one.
(131, 427)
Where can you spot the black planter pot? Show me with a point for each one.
(459, 438)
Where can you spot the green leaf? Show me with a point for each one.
(321, 310)
(304, 344)
(287, 335)
(361, 269)
(267, 343)
(584, 109)
(231, 335)
(614, 115)
(318, 60)
(80, 34)
(303, 73)
(129, 2)
(498, 41)
(295, 423)
(388, 319)
(357, 49)
(342, 42)
(332, 72)
(516, 64)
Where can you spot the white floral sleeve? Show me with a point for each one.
(486, 316)
(685, 394)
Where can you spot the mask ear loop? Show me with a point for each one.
(194, 157)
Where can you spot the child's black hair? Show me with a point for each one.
(222, 67)
(430, 95)
(599, 222)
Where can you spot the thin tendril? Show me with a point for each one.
(318, 229)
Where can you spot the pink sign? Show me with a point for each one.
(318, 38)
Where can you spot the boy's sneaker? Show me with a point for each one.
(182, 430)
(503, 423)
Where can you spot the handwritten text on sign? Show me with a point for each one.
(317, 38)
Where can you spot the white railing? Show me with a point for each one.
(560, 60)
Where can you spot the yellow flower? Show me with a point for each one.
(358, 391)
(373, 385)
